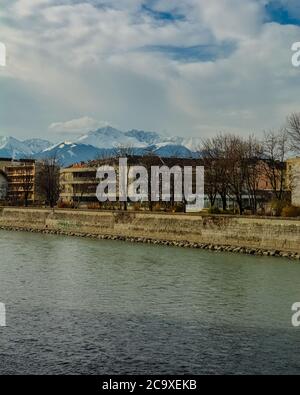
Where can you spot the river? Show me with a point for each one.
(80, 306)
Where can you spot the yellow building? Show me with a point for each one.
(78, 184)
(293, 180)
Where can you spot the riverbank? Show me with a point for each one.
(183, 244)
(248, 235)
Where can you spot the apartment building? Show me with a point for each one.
(20, 175)
(4, 162)
(78, 184)
(21, 181)
(3, 185)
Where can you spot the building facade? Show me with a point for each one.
(3, 186)
(4, 162)
(20, 180)
(78, 184)
(293, 180)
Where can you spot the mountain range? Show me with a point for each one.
(98, 144)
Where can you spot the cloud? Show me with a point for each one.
(77, 126)
(27, 8)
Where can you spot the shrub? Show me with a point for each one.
(157, 207)
(63, 204)
(291, 211)
(137, 206)
(277, 206)
(228, 211)
(214, 210)
(179, 208)
(93, 206)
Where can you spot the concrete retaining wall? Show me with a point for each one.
(257, 233)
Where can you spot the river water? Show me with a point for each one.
(77, 306)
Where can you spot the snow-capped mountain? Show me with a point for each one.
(109, 137)
(13, 148)
(98, 144)
(37, 145)
(174, 150)
(149, 138)
(68, 153)
(191, 143)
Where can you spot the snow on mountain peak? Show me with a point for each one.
(3, 141)
(149, 138)
(98, 143)
(37, 145)
(11, 147)
(109, 137)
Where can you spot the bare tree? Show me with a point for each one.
(253, 170)
(211, 179)
(293, 128)
(213, 152)
(235, 152)
(123, 151)
(276, 148)
(232, 168)
(47, 180)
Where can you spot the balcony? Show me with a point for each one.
(80, 180)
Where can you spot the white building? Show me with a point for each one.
(3, 185)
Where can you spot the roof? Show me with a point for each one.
(17, 160)
(151, 160)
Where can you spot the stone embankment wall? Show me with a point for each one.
(252, 235)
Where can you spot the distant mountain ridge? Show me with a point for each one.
(11, 147)
(100, 143)
(150, 138)
(37, 145)
(109, 137)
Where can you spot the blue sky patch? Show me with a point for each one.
(197, 53)
(160, 15)
(277, 13)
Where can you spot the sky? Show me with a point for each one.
(179, 67)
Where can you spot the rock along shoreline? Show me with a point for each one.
(170, 243)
